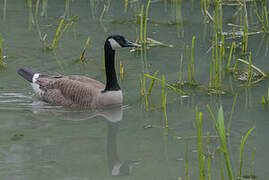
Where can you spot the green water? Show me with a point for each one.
(40, 141)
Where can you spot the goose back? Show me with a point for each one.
(76, 91)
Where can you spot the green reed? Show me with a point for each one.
(126, 3)
(36, 8)
(4, 10)
(263, 20)
(249, 69)
(44, 11)
(243, 141)
(1, 51)
(180, 70)
(230, 55)
(31, 16)
(192, 59)
(189, 63)
(66, 11)
(265, 100)
(220, 129)
(164, 95)
(252, 163)
(59, 33)
(102, 14)
(152, 83)
(146, 21)
(199, 116)
(92, 7)
(143, 90)
(208, 158)
(187, 161)
(166, 84)
(81, 57)
(141, 25)
(245, 32)
(220, 163)
(231, 114)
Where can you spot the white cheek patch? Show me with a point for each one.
(114, 44)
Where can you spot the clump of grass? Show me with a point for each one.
(166, 84)
(190, 60)
(263, 20)
(142, 39)
(252, 75)
(59, 33)
(220, 129)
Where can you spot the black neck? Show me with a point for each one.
(111, 77)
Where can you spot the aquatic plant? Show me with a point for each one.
(265, 99)
(243, 141)
(166, 84)
(1, 56)
(199, 116)
(220, 129)
(44, 11)
(81, 57)
(252, 75)
(36, 8)
(59, 32)
(263, 19)
(4, 10)
(164, 95)
(66, 11)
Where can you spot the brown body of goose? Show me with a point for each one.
(81, 91)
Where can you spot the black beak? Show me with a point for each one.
(130, 44)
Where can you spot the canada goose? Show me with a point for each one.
(81, 91)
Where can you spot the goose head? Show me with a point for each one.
(119, 41)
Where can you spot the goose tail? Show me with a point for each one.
(28, 73)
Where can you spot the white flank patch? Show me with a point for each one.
(35, 85)
(111, 97)
(114, 44)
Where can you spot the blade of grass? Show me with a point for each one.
(230, 55)
(146, 20)
(167, 85)
(57, 33)
(243, 141)
(220, 129)
(84, 49)
(192, 59)
(152, 83)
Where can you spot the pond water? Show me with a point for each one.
(41, 141)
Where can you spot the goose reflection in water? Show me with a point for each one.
(113, 116)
